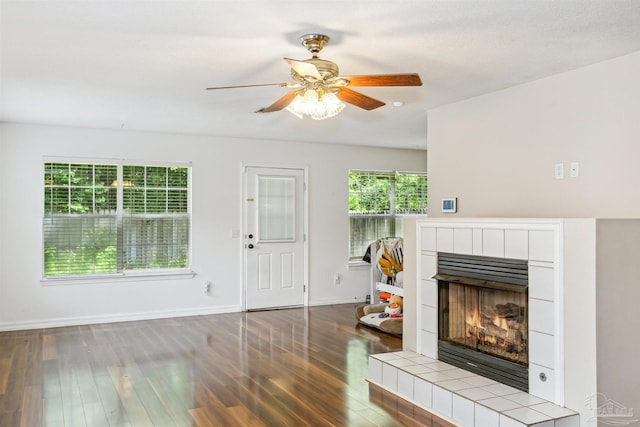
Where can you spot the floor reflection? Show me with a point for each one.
(304, 366)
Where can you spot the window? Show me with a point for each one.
(378, 201)
(106, 218)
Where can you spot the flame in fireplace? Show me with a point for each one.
(473, 319)
(501, 322)
(478, 331)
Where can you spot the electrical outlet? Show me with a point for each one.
(336, 279)
(574, 169)
(207, 288)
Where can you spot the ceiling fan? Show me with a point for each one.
(318, 89)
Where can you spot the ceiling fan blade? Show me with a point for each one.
(359, 100)
(409, 79)
(258, 85)
(304, 68)
(280, 103)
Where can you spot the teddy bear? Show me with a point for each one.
(395, 305)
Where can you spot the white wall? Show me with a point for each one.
(26, 302)
(497, 152)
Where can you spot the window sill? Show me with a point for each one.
(358, 265)
(122, 277)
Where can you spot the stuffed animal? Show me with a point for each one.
(395, 305)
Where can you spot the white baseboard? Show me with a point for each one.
(332, 301)
(92, 320)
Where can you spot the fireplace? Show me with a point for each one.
(483, 316)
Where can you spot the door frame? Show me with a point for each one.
(305, 223)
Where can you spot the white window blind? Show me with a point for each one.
(378, 201)
(111, 218)
(156, 217)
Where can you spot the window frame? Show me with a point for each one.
(122, 273)
(393, 215)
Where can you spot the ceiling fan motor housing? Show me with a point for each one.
(314, 42)
(327, 69)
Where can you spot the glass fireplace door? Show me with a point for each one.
(489, 321)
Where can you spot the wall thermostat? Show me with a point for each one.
(449, 205)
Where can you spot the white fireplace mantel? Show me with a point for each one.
(540, 244)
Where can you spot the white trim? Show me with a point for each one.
(503, 223)
(116, 161)
(558, 271)
(245, 166)
(91, 320)
(243, 236)
(343, 300)
(305, 227)
(358, 265)
(124, 277)
(389, 171)
(418, 286)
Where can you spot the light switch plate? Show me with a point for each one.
(559, 170)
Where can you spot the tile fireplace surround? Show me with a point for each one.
(565, 369)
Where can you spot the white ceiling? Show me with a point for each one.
(144, 65)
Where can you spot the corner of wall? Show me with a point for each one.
(409, 264)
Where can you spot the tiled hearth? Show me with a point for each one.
(462, 397)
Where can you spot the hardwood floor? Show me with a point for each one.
(295, 367)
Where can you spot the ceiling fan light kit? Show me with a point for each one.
(319, 104)
(319, 91)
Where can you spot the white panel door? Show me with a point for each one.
(274, 238)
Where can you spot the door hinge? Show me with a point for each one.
(304, 288)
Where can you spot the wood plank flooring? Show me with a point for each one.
(295, 367)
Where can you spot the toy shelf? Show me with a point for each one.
(393, 290)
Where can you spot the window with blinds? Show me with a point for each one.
(378, 201)
(113, 218)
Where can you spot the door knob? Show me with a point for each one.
(250, 246)
(250, 236)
